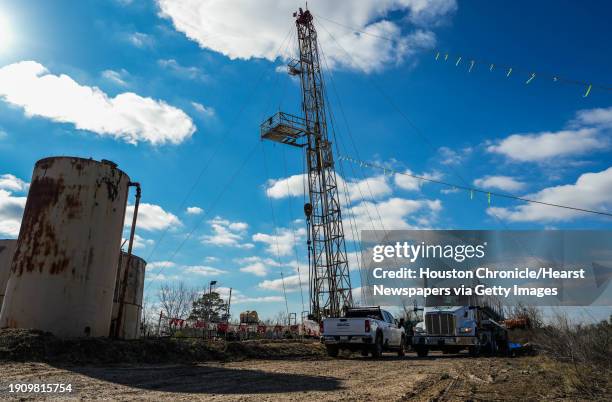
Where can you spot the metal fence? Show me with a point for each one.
(180, 328)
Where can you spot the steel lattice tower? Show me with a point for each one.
(330, 284)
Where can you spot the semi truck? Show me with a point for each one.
(452, 324)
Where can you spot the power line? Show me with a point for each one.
(416, 129)
(214, 154)
(472, 189)
(275, 236)
(473, 61)
(413, 125)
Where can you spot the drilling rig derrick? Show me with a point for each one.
(330, 284)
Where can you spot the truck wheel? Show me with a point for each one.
(422, 351)
(378, 347)
(474, 351)
(401, 352)
(365, 352)
(332, 350)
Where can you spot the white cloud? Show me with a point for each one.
(546, 145)
(11, 212)
(260, 299)
(184, 72)
(449, 156)
(248, 29)
(227, 233)
(505, 183)
(194, 210)
(292, 283)
(410, 183)
(291, 186)
(282, 241)
(240, 298)
(205, 111)
(599, 117)
(160, 264)
(12, 183)
(211, 259)
(152, 217)
(257, 269)
(591, 191)
(140, 39)
(161, 277)
(255, 259)
(127, 116)
(139, 242)
(116, 77)
(258, 266)
(395, 214)
(450, 190)
(368, 188)
(203, 270)
(425, 12)
(585, 133)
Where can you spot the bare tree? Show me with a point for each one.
(531, 314)
(176, 299)
(149, 316)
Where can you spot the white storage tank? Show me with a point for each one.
(132, 308)
(7, 249)
(64, 268)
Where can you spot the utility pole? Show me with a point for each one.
(209, 304)
(330, 284)
(229, 303)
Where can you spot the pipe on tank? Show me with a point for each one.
(124, 282)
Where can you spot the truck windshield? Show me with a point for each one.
(364, 313)
(452, 300)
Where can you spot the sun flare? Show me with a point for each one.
(6, 34)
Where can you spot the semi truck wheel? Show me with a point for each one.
(332, 350)
(422, 351)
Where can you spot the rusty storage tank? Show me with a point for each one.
(63, 271)
(7, 249)
(132, 309)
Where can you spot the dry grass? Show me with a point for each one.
(581, 353)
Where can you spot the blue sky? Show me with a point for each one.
(172, 90)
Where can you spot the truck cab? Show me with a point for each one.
(456, 327)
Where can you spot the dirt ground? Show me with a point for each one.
(435, 378)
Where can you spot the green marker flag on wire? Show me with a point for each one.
(588, 91)
(471, 194)
(530, 78)
(489, 198)
(458, 61)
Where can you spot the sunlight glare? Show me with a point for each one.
(6, 38)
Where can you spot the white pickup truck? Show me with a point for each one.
(366, 329)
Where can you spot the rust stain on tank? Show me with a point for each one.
(73, 206)
(59, 265)
(44, 194)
